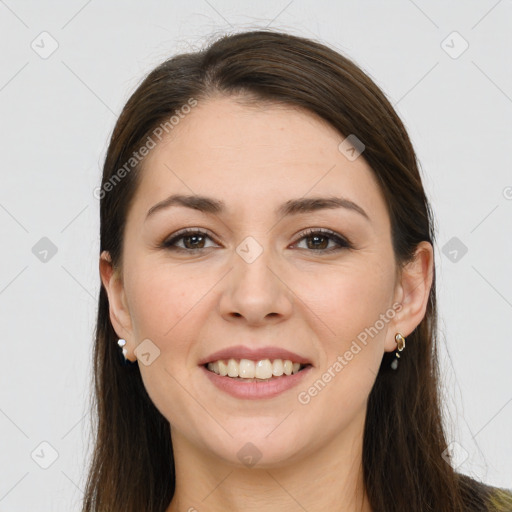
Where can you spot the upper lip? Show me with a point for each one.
(254, 354)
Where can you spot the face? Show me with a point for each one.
(253, 281)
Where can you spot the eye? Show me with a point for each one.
(320, 239)
(193, 240)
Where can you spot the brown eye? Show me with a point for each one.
(318, 240)
(193, 240)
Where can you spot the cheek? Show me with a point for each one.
(348, 299)
(161, 299)
(164, 305)
(351, 304)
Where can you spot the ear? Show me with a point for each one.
(412, 292)
(118, 308)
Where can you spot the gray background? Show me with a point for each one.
(57, 112)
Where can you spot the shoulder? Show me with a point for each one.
(479, 494)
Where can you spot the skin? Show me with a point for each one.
(293, 295)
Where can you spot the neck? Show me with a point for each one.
(331, 478)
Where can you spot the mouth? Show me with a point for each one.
(255, 379)
(248, 370)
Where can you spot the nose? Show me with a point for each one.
(256, 292)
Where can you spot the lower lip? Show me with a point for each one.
(256, 390)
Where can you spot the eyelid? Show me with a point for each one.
(184, 232)
(342, 241)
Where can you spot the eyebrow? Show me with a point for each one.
(292, 207)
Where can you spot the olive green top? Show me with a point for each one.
(500, 500)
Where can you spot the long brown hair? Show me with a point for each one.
(132, 467)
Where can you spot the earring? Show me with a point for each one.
(400, 345)
(125, 361)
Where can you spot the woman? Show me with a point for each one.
(268, 272)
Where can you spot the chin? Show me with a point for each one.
(257, 449)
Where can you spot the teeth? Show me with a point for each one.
(247, 369)
(277, 367)
(232, 368)
(223, 368)
(263, 369)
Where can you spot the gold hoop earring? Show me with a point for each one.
(400, 345)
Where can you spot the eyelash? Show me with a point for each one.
(342, 242)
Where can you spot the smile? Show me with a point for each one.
(254, 371)
(254, 388)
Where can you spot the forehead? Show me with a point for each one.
(253, 157)
(225, 128)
